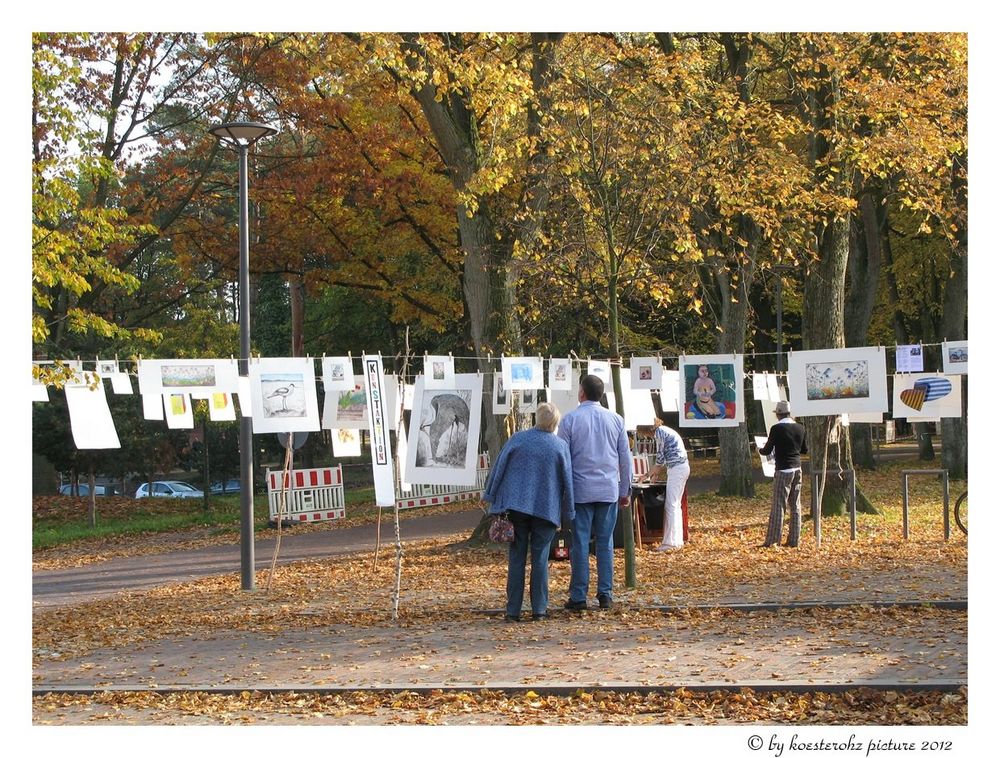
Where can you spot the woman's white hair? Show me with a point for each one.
(547, 417)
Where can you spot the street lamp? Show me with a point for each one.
(241, 135)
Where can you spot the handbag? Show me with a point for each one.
(501, 530)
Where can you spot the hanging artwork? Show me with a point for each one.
(765, 387)
(442, 447)
(501, 397)
(522, 372)
(185, 374)
(647, 373)
(378, 423)
(766, 461)
(283, 395)
(338, 373)
(926, 396)
(527, 400)
(711, 388)
(221, 407)
(560, 374)
(831, 382)
(600, 369)
(955, 357)
(89, 416)
(177, 410)
(346, 443)
(439, 372)
(909, 358)
(121, 384)
(670, 391)
(349, 409)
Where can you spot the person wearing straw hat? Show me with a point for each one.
(787, 441)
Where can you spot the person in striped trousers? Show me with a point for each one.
(787, 441)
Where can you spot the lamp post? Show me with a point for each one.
(241, 135)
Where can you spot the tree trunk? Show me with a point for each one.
(869, 229)
(954, 322)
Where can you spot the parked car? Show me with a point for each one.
(228, 487)
(84, 490)
(169, 489)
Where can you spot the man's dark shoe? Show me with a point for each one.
(576, 605)
(539, 616)
(511, 618)
(605, 601)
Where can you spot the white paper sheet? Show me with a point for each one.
(766, 461)
(564, 400)
(121, 384)
(909, 358)
(177, 410)
(329, 418)
(243, 396)
(638, 407)
(283, 395)
(670, 392)
(774, 392)
(39, 393)
(90, 418)
(152, 406)
(439, 372)
(560, 374)
(760, 387)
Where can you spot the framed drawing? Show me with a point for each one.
(522, 372)
(560, 374)
(501, 397)
(439, 372)
(338, 373)
(283, 395)
(443, 441)
(832, 382)
(922, 396)
(711, 390)
(955, 357)
(647, 373)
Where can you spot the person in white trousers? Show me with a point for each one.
(672, 461)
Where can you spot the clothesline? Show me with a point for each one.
(490, 357)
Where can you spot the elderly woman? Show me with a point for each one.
(533, 481)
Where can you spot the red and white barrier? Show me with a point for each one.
(312, 494)
(422, 495)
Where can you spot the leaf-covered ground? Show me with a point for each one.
(329, 623)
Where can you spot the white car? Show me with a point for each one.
(169, 489)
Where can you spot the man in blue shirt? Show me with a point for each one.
(602, 474)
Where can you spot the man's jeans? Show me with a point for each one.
(540, 533)
(597, 519)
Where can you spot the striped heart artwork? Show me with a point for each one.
(914, 397)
